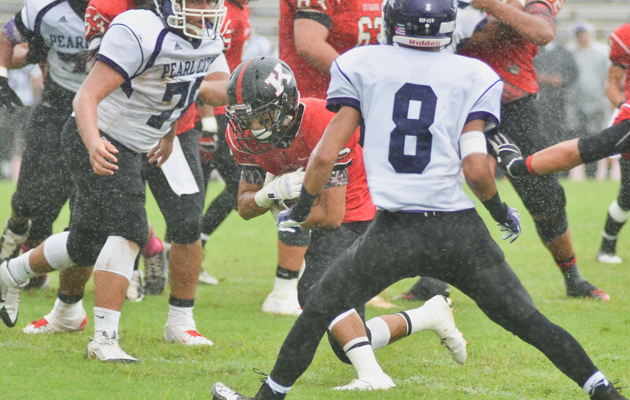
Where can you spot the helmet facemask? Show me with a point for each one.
(176, 12)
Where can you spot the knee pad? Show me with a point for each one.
(117, 256)
(56, 251)
(551, 228)
(617, 213)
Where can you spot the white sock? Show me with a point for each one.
(285, 285)
(106, 322)
(380, 333)
(420, 319)
(597, 379)
(20, 268)
(362, 357)
(276, 387)
(64, 310)
(180, 316)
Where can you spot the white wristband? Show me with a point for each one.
(472, 142)
(4, 72)
(262, 199)
(209, 124)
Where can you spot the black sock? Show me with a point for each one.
(284, 273)
(69, 299)
(17, 228)
(570, 269)
(611, 230)
(175, 302)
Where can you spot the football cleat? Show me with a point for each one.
(382, 382)
(40, 282)
(9, 304)
(608, 258)
(207, 279)
(105, 349)
(446, 329)
(282, 303)
(154, 269)
(222, 392)
(135, 290)
(424, 289)
(585, 289)
(608, 392)
(185, 334)
(10, 242)
(56, 324)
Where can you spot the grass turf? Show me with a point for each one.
(243, 256)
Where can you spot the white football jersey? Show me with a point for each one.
(467, 21)
(62, 28)
(162, 71)
(414, 105)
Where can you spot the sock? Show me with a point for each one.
(421, 319)
(597, 379)
(17, 228)
(180, 315)
(153, 246)
(67, 312)
(106, 322)
(570, 269)
(360, 353)
(20, 268)
(286, 280)
(69, 300)
(380, 334)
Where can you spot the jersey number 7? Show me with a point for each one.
(410, 142)
(187, 91)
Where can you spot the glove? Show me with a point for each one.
(283, 187)
(288, 223)
(8, 98)
(507, 153)
(512, 225)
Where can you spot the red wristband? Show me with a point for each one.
(528, 164)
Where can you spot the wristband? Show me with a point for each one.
(262, 199)
(498, 210)
(209, 124)
(621, 104)
(302, 209)
(4, 72)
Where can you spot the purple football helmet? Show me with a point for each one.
(419, 23)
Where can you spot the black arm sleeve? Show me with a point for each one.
(319, 17)
(613, 140)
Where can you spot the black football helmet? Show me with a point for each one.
(262, 88)
(174, 13)
(419, 23)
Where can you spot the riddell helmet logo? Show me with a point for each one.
(425, 42)
(276, 81)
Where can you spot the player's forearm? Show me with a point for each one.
(247, 206)
(613, 85)
(6, 50)
(531, 27)
(213, 91)
(85, 109)
(479, 176)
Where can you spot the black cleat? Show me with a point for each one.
(425, 289)
(607, 393)
(578, 289)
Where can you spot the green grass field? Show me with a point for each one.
(243, 255)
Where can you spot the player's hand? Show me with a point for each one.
(161, 152)
(287, 222)
(506, 152)
(8, 98)
(102, 157)
(286, 186)
(512, 225)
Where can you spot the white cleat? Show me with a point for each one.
(222, 392)
(11, 242)
(108, 350)
(382, 382)
(185, 334)
(282, 303)
(9, 304)
(207, 279)
(55, 324)
(608, 258)
(446, 329)
(135, 290)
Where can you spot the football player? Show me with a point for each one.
(126, 110)
(272, 134)
(425, 114)
(619, 210)
(508, 43)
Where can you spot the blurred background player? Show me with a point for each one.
(508, 42)
(272, 134)
(215, 153)
(617, 79)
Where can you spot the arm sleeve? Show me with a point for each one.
(341, 91)
(254, 175)
(488, 105)
(118, 43)
(316, 10)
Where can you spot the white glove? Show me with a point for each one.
(284, 187)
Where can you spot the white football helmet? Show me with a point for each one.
(175, 12)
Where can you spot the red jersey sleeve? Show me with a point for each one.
(624, 113)
(620, 46)
(100, 13)
(239, 155)
(554, 5)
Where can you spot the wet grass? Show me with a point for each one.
(242, 255)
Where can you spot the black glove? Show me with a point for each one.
(8, 98)
(508, 155)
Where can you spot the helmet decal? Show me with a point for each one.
(276, 82)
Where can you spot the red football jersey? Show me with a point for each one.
(314, 121)
(624, 113)
(512, 57)
(620, 52)
(235, 31)
(352, 23)
(98, 16)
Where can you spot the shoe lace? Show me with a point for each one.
(259, 372)
(615, 383)
(152, 267)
